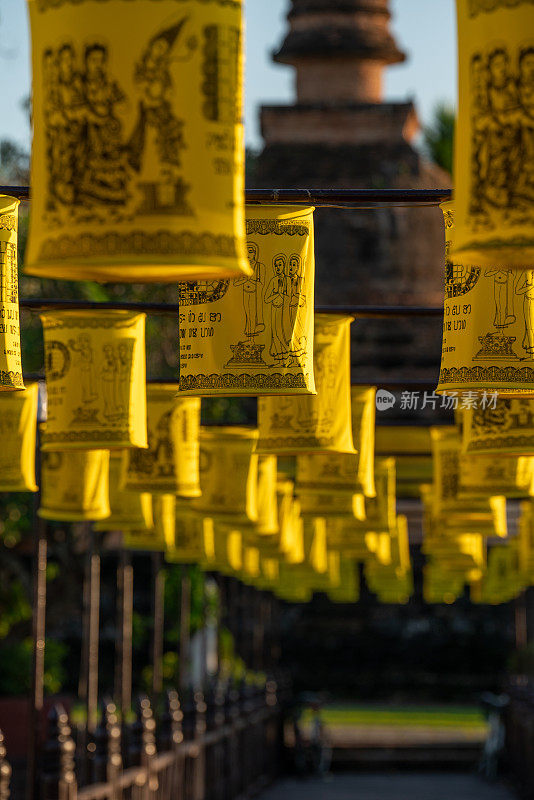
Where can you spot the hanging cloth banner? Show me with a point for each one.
(228, 550)
(95, 379)
(488, 327)
(526, 542)
(267, 522)
(155, 540)
(479, 515)
(320, 423)
(327, 485)
(440, 586)
(502, 580)
(254, 335)
(493, 165)
(315, 544)
(138, 152)
(192, 539)
(363, 407)
(410, 446)
(506, 429)
(75, 485)
(170, 464)
(130, 511)
(10, 357)
(349, 589)
(228, 473)
(18, 432)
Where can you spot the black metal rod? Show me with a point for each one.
(351, 198)
(172, 309)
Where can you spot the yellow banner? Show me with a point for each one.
(506, 429)
(228, 473)
(74, 485)
(171, 462)
(488, 327)
(18, 431)
(130, 511)
(10, 357)
(321, 423)
(138, 153)
(254, 335)
(193, 536)
(494, 167)
(95, 380)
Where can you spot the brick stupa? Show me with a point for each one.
(340, 134)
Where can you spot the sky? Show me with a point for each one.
(425, 29)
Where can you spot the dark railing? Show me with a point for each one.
(218, 746)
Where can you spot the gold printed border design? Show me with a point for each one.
(11, 378)
(480, 374)
(98, 435)
(186, 243)
(502, 442)
(51, 5)
(264, 227)
(227, 381)
(477, 7)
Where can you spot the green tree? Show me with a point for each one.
(439, 137)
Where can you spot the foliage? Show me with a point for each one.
(439, 137)
(16, 660)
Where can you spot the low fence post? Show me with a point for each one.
(5, 770)
(58, 777)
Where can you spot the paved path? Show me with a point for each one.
(400, 786)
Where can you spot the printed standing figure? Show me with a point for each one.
(109, 376)
(70, 149)
(297, 300)
(164, 450)
(277, 294)
(86, 361)
(526, 288)
(503, 314)
(253, 288)
(124, 358)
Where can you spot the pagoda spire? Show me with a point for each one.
(339, 49)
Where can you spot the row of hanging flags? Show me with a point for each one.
(138, 176)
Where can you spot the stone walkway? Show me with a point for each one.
(392, 786)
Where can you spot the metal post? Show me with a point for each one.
(38, 650)
(185, 614)
(93, 630)
(123, 652)
(158, 601)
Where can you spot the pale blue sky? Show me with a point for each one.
(424, 28)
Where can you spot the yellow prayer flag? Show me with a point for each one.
(493, 165)
(488, 327)
(193, 536)
(267, 522)
(138, 152)
(95, 379)
(130, 511)
(75, 485)
(321, 423)
(18, 432)
(171, 462)
(228, 473)
(10, 358)
(254, 335)
(505, 428)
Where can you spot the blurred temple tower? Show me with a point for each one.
(340, 134)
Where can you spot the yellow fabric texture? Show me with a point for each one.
(493, 165)
(75, 485)
(320, 423)
(228, 549)
(267, 521)
(488, 327)
(138, 151)
(502, 580)
(192, 541)
(327, 485)
(10, 356)
(171, 462)
(228, 473)
(363, 411)
(525, 542)
(479, 515)
(130, 511)
(506, 430)
(315, 546)
(95, 380)
(349, 589)
(411, 448)
(440, 586)
(18, 431)
(254, 335)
